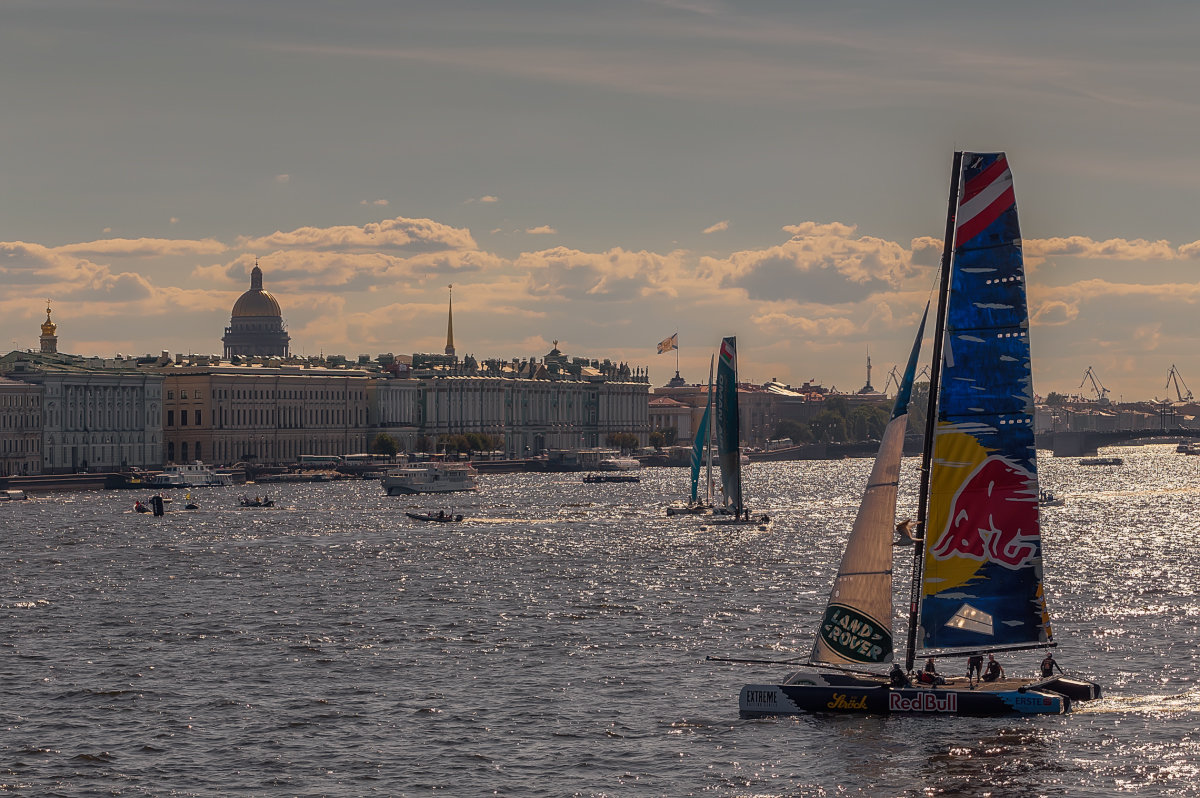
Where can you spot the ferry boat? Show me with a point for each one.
(429, 478)
(189, 475)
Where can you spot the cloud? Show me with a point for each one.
(399, 234)
(540, 231)
(142, 247)
(1111, 249)
(822, 263)
(717, 228)
(282, 178)
(373, 202)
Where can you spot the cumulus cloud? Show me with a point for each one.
(399, 234)
(373, 202)
(282, 178)
(142, 247)
(1110, 249)
(717, 228)
(543, 230)
(823, 263)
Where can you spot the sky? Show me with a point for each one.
(600, 174)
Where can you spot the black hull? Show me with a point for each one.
(878, 698)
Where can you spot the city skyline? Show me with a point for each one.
(603, 177)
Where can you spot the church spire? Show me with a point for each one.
(450, 324)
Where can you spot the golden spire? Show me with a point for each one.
(450, 323)
(49, 340)
(48, 327)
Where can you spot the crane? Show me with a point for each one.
(1173, 377)
(1097, 386)
(893, 377)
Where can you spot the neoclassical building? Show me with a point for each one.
(264, 414)
(554, 403)
(256, 324)
(20, 428)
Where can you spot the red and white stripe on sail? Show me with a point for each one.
(728, 353)
(984, 198)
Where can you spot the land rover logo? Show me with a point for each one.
(854, 636)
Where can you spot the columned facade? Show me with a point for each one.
(20, 428)
(230, 414)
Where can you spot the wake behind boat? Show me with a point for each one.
(977, 574)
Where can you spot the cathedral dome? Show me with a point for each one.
(256, 301)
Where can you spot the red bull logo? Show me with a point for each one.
(993, 516)
(925, 701)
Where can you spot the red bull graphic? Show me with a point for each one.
(993, 517)
(982, 567)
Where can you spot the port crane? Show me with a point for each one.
(1097, 386)
(1184, 395)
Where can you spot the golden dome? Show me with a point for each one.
(256, 301)
(48, 327)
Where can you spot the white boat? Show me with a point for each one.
(429, 478)
(189, 475)
(619, 464)
(977, 555)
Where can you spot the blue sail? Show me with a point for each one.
(701, 439)
(729, 451)
(982, 569)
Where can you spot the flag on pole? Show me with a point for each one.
(669, 344)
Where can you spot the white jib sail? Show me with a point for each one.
(857, 625)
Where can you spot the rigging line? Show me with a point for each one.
(863, 573)
(931, 411)
(895, 483)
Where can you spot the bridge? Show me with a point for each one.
(1085, 443)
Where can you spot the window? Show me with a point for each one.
(170, 418)
(199, 421)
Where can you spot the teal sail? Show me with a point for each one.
(701, 440)
(729, 452)
(981, 585)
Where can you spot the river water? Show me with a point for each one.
(554, 643)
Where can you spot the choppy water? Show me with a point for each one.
(553, 644)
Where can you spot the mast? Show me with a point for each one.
(931, 413)
(712, 431)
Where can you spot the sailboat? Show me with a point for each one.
(977, 572)
(729, 434)
(700, 445)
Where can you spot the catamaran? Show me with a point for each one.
(729, 443)
(977, 573)
(700, 445)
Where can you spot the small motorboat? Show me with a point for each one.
(690, 509)
(138, 507)
(440, 515)
(1048, 499)
(257, 501)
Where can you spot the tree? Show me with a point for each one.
(424, 444)
(385, 444)
(828, 426)
(625, 441)
(658, 439)
(1056, 399)
(798, 431)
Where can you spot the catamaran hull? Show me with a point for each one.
(765, 700)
